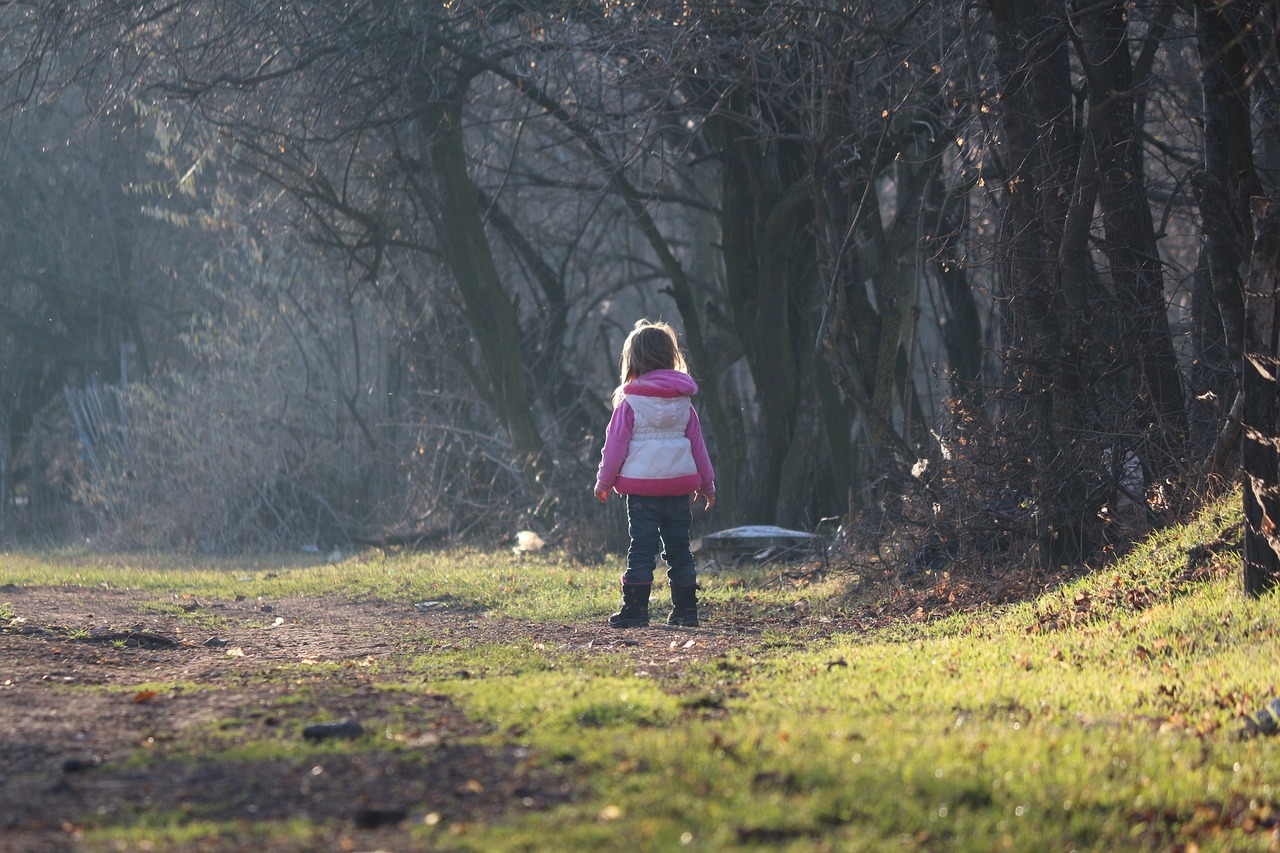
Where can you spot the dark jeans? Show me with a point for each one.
(659, 524)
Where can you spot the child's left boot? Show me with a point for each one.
(684, 605)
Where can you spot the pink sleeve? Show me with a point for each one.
(700, 458)
(616, 440)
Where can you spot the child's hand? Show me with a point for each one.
(602, 495)
(709, 497)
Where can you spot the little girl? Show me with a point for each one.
(655, 456)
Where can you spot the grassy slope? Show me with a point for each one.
(1102, 716)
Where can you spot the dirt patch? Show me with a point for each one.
(72, 757)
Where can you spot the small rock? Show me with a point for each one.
(215, 643)
(348, 728)
(62, 786)
(75, 765)
(528, 542)
(1265, 722)
(374, 818)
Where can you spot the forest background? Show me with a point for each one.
(991, 277)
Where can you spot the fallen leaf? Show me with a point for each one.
(235, 652)
(144, 696)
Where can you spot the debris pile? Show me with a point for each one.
(759, 544)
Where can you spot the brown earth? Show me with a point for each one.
(72, 758)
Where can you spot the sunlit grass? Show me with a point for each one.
(1113, 726)
(537, 588)
(1105, 715)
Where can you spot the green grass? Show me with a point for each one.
(1104, 715)
(536, 588)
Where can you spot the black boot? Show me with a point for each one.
(635, 607)
(684, 601)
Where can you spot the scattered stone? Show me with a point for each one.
(528, 542)
(374, 818)
(215, 643)
(62, 786)
(78, 764)
(1264, 722)
(348, 728)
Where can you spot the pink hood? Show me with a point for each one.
(662, 383)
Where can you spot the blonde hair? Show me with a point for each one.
(650, 346)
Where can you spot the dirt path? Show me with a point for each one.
(70, 756)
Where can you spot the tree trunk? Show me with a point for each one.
(768, 258)
(1023, 38)
(491, 315)
(1261, 452)
(959, 324)
(1130, 244)
(1223, 190)
(1261, 369)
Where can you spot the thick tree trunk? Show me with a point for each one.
(1260, 379)
(1223, 189)
(490, 312)
(1261, 452)
(1029, 240)
(1130, 243)
(768, 258)
(1228, 178)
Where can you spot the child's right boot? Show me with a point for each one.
(635, 607)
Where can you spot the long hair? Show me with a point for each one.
(650, 346)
